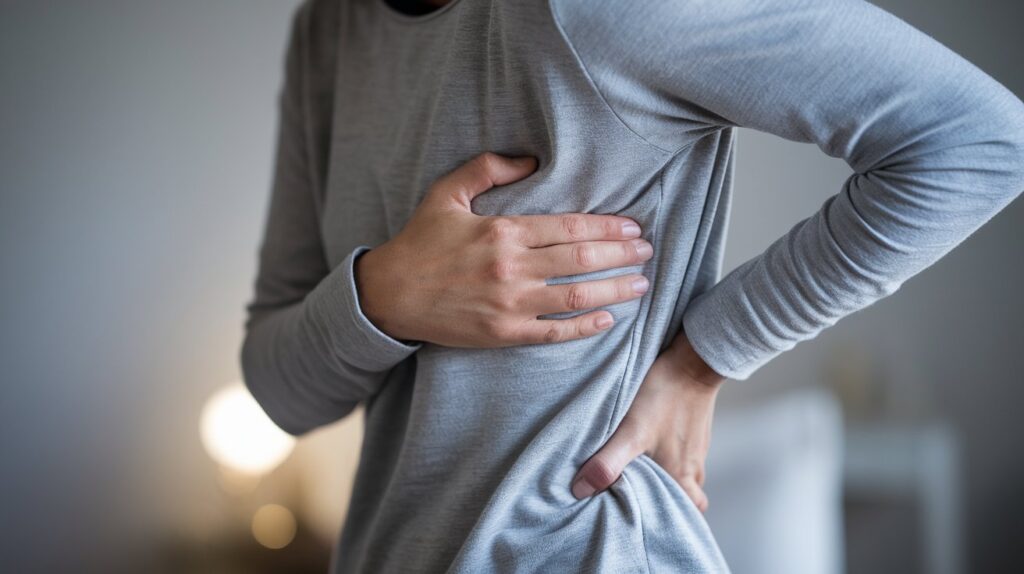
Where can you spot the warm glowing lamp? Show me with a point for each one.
(273, 526)
(238, 434)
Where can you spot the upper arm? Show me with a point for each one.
(855, 80)
(292, 259)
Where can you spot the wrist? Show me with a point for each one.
(369, 274)
(692, 365)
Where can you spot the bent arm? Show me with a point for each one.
(310, 355)
(937, 145)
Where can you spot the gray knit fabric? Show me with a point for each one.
(631, 108)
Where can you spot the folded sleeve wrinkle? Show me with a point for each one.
(310, 355)
(936, 145)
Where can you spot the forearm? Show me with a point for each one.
(833, 264)
(311, 362)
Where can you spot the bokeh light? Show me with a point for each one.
(273, 526)
(238, 434)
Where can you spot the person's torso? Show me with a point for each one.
(469, 453)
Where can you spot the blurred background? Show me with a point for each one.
(135, 162)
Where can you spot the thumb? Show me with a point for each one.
(482, 173)
(605, 467)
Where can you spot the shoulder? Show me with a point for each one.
(681, 21)
(314, 28)
(625, 35)
(312, 51)
(635, 54)
(310, 70)
(619, 21)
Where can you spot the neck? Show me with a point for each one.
(417, 7)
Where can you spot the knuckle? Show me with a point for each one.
(576, 297)
(583, 256)
(581, 328)
(500, 229)
(487, 162)
(688, 471)
(552, 334)
(612, 228)
(502, 268)
(574, 226)
(600, 473)
(624, 289)
(629, 252)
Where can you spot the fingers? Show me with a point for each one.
(480, 174)
(559, 330)
(544, 230)
(695, 492)
(582, 257)
(586, 294)
(605, 467)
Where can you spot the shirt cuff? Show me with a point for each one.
(712, 323)
(334, 306)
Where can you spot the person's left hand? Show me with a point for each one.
(670, 420)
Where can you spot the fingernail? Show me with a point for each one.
(640, 285)
(643, 249)
(582, 488)
(604, 321)
(630, 229)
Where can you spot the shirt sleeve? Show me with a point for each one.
(937, 146)
(310, 354)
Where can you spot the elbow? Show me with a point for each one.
(1015, 141)
(986, 170)
(261, 384)
(1007, 137)
(289, 400)
(979, 152)
(276, 410)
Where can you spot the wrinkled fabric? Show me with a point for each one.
(631, 108)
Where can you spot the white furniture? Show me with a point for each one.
(917, 462)
(775, 486)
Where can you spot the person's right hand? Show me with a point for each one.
(458, 279)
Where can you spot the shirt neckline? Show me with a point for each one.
(395, 14)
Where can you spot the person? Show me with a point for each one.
(449, 243)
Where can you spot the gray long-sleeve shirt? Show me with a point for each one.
(631, 108)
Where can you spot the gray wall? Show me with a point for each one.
(135, 148)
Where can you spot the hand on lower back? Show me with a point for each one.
(462, 280)
(669, 419)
